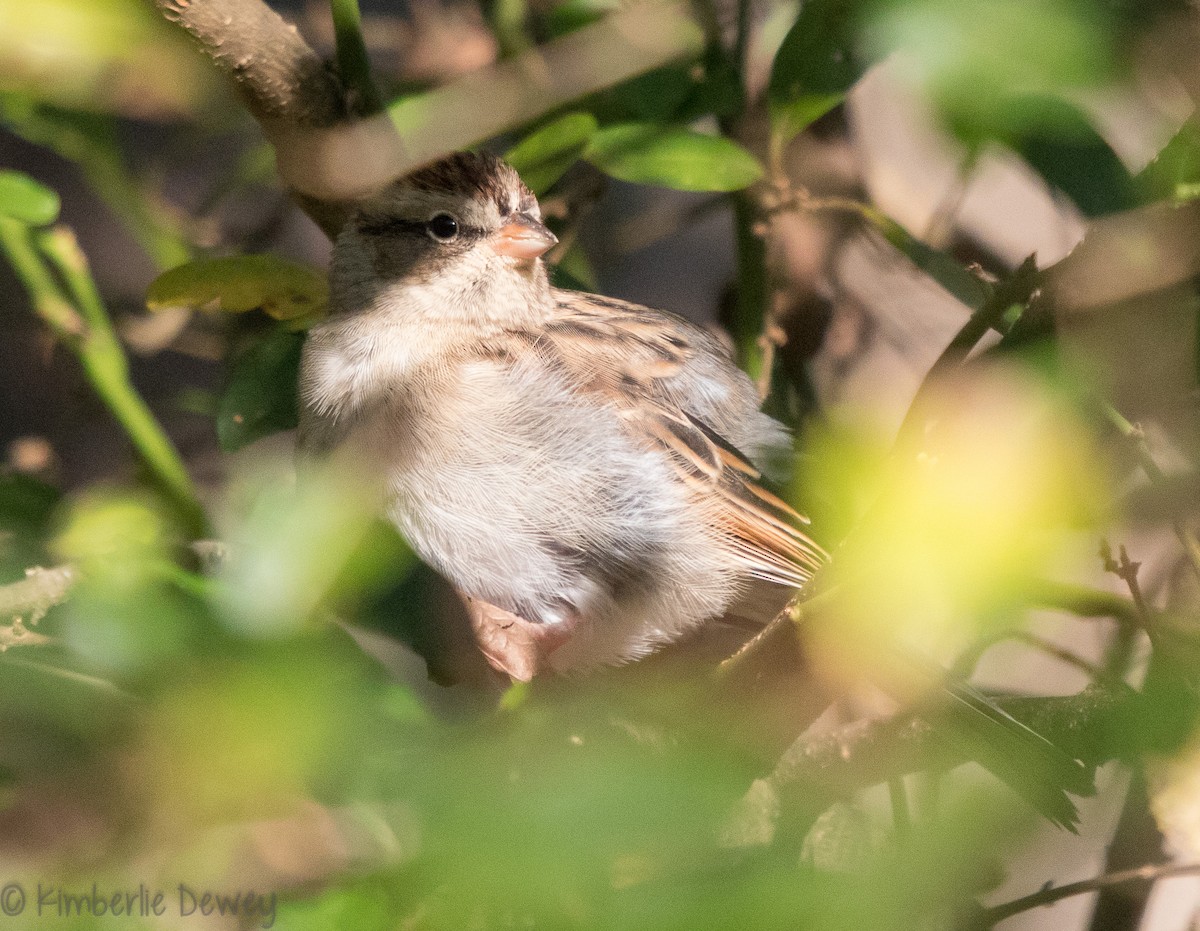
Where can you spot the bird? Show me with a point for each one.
(590, 474)
(587, 472)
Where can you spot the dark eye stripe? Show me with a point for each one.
(395, 226)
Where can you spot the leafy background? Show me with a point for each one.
(207, 677)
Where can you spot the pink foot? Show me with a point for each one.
(512, 644)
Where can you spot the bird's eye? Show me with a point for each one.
(443, 227)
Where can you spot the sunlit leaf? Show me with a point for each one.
(102, 55)
(284, 290)
(260, 398)
(815, 66)
(24, 199)
(542, 157)
(672, 157)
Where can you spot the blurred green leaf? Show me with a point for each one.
(718, 92)
(1174, 174)
(815, 66)
(24, 199)
(566, 17)
(657, 95)
(980, 61)
(294, 544)
(672, 157)
(103, 56)
(542, 157)
(284, 290)
(1060, 143)
(365, 905)
(260, 398)
(574, 271)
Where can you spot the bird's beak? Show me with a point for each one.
(523, 237)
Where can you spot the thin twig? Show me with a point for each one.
(1151, 871)
(965, 665)
(1137, 439)
(1126, 569)
(78, 317)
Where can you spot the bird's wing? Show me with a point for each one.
(677, 390)
(763, 529)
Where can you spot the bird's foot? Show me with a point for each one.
(512, 644)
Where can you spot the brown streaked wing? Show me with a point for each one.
(760, 526)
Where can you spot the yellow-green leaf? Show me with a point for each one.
(24, 199)
(284, 290)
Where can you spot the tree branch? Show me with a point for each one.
(330, 154)
(820, 770)
(1150, 871)
(280, 78)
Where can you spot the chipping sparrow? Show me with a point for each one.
(580, 468)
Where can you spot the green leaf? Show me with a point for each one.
(815, 66)
(718, 92)
(657, 95)
(542, 157)
(261, 396)
(1174, 174)
(22, 198)
(673, 157)
(979, 61)
(284, 290)
(1059, 142)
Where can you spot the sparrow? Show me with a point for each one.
(586, 472)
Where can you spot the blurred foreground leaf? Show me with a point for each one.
(293, 543)
(672, 157)
(284, 290)
(979, 60)
(260, 398)
(24, 199)
(101, 55)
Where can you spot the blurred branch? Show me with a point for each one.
(822, 769)
(78, 317)
(1151, 871)
(1016, 289)
(329, 153)
(37, 593)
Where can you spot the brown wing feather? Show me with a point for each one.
(630, 354)
(762, 528)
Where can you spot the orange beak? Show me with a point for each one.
(523, 237)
